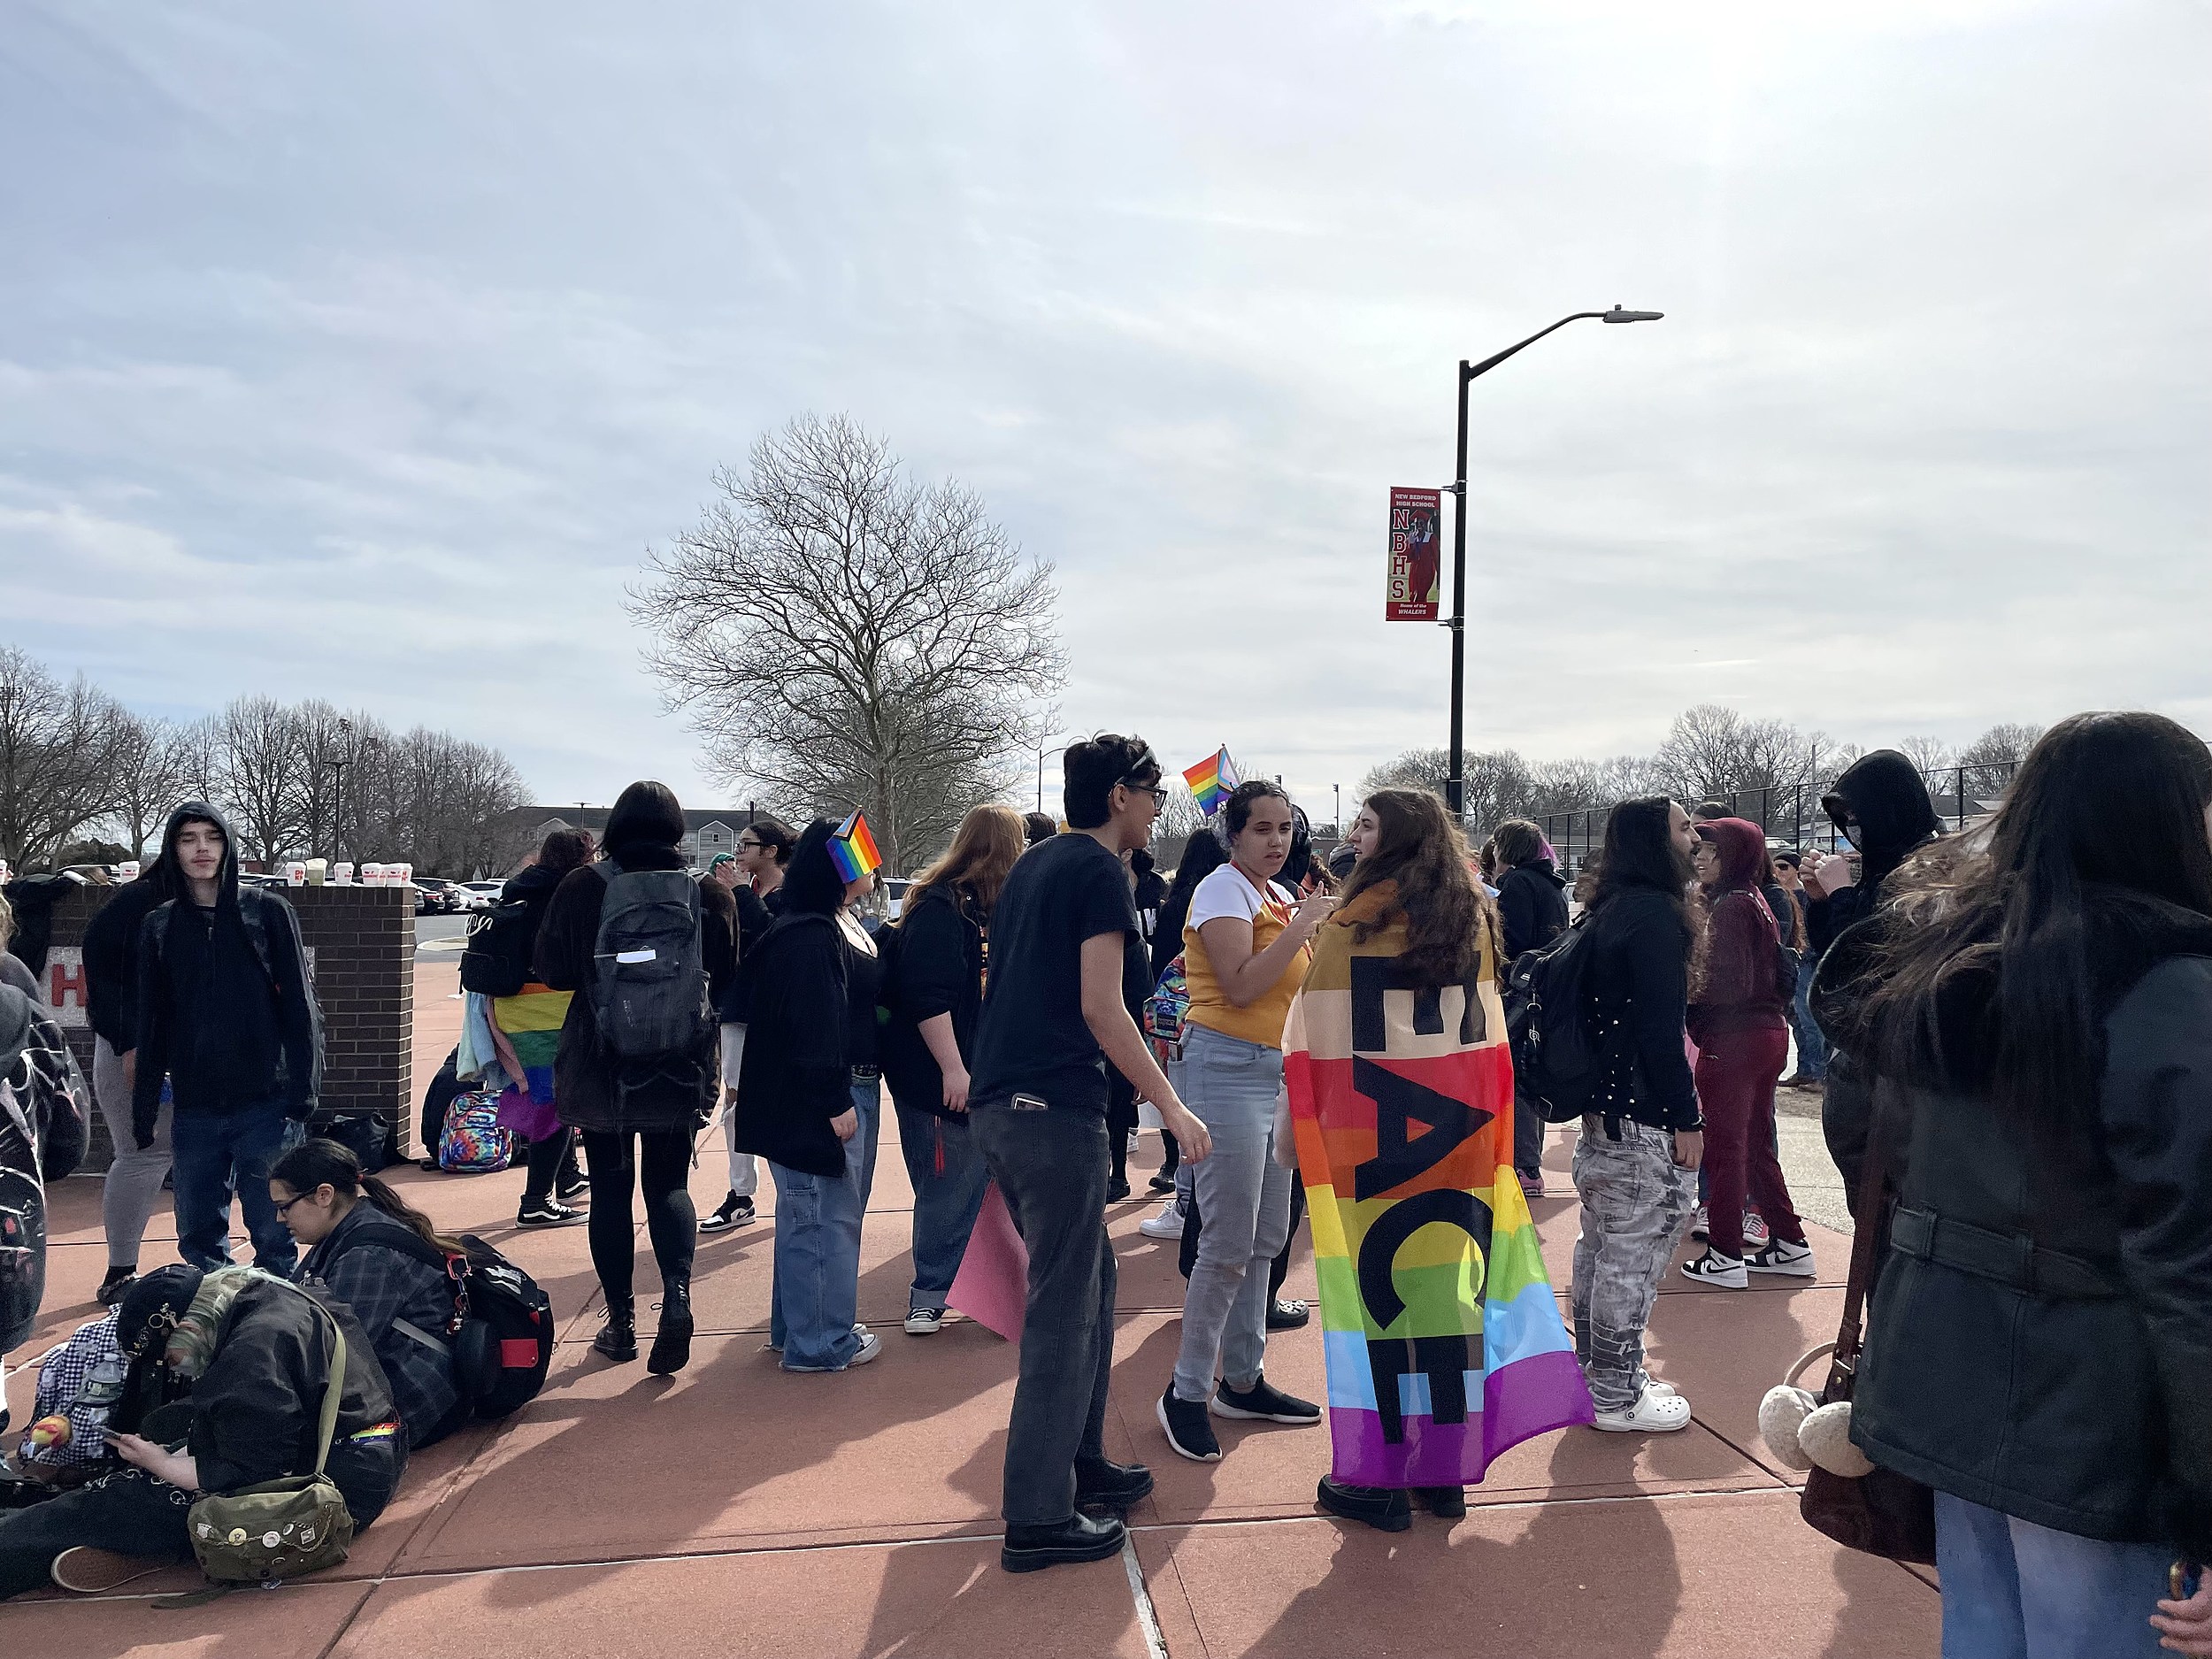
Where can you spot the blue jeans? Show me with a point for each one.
(948, 1173)
(219, 1154)
(1812, 1047)
(816, 1296)
(2014, 1590)
(1230, 1084)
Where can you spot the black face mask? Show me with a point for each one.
(1852, 830)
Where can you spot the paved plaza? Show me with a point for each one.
(737, 1510)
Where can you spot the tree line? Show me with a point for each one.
(1710, 752)
(83, 779)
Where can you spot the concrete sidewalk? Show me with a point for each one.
(735, 1509)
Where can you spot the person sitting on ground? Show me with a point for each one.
(754, 879)
(934, 995)
(252, 1357)
(357, 1233)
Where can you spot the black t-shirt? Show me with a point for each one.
(1033, 1037)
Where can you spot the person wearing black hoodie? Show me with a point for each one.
(2037, 1004)
(227, 1013)
(132, 1185)
(1881, 806)
(638, 1117)
(1533, 906)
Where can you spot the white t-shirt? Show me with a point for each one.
(1228, 892)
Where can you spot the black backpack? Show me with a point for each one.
(648, 981)
(1559, 1057)
(502, 1333)
(500, 942)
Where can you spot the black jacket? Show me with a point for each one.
(110, 957)
(257, 1408)
(797, 1071)
(1885, 794)
(226, 1009)
(588, 1090)
(2040, 1338)
(937, 968)
(1639, 975)
(1533, 904)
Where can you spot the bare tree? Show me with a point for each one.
(1929, 754)
(57, 758)
(153, 760)
(262, 771)
(841, 635)
(1991, 758)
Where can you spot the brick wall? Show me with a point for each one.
(361, 953)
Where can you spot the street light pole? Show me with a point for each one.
(1455, 785)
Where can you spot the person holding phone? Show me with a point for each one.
(1053, 1019)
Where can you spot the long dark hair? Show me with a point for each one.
(1422, 851)
(320, 1163)
(1203, 855)
(1640, 855)
(2013, 953)
(811, 886)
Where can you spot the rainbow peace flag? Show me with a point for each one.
(1442, 1337)
(1212, 780)
(853, 849)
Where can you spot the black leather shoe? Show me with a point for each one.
(618, 1338)
(1448, 1501)
(672, 1343)
(1286, 1314)
(1107, 1485)
(1386, 1509)
(116, 1285)
(1079, 1538)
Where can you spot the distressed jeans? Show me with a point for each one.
(948, 1176)
(1636, 1202)
(1244, 1194)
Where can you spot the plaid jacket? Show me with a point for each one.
(385, 1285)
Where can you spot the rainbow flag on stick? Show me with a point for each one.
(1212, 780)
(853, 849)
(1442, 1337)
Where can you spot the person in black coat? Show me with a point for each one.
(2035, 1007)
(1533, 907)
(934, 995)
(227, 1014)
(754, 879)
(808, 1099)
(132, 1185)
(639, 1117)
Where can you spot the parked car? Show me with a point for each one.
(894, 889)
(479, 895)
(433, 900)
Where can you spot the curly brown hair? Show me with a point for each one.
(1446, 911)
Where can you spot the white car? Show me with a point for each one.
(479, 895)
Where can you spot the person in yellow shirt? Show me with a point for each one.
(1245, 952)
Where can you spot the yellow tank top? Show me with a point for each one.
(1261, 1020)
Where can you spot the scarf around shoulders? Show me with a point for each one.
(1443, 1339)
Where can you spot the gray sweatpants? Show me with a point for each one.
(1636, 1201)
(133, 1186)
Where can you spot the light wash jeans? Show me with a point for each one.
(2014, 1590)
(814, 1303)
(1636, 1203)
(132, 1187)
(1230, 1086)
(949, 1175)
(1812, 1047)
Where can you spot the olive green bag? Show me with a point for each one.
(281, 1529)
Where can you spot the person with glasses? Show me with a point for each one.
(1053, 1019)
(755, 880)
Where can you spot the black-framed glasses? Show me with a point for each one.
(745, 846)
(285, 1207)
(1158, 794)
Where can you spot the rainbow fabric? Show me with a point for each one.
(853, 849)
(1443, 1339)
(1212, 780)
(531, 1022)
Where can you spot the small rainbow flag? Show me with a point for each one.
(1212, 780)
(853, 849)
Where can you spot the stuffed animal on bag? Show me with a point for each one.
(1802, 1433)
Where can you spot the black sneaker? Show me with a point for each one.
(1287, 1313)
(1079, 1538)
(1187, 1431)
(116, 1285)
(1161, 1183)
(1386, 1509)
(1109, 1486)
(570, 1186)
(1448, 1501)
(549, 1212)
(1263, 1402)
(734, 1212)
(1115, 1191)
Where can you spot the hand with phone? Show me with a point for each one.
(1827, 874)
(177, 1468)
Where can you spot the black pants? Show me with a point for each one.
(1528, 1136)
(1121, 1117)
(545, 1158)
(1277, 1271)
(1051, 1167)
(657, 1162)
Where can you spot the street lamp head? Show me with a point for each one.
(1617, 315)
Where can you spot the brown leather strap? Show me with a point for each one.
(1866, 1221)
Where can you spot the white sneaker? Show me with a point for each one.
(925, 1322)
(1167, 1224)
(1781, 1256)
(870, 1344)
(1713, 1268)
(1654, 1413)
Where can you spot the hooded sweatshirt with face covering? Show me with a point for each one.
(225, 1007)
(1739, 983)
(1884, 794)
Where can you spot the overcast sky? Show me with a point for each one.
(361, 350)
